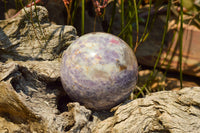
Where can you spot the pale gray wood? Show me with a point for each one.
(33, 38)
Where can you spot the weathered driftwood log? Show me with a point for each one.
(30, 36)
(32, 98)
(167, 111)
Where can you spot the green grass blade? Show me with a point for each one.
(169, 50)
(130, 12)
(113, 16)
(83, 17)
(161, 49)
(122, 17)
(156, 7)
(144, 35)
(127, 25)
(76, 3)
(23, 7)
(129, 21)
(5, 6)
(164, 34)
(137, 24)
(169, 63)
(181, 43)
(38, 20)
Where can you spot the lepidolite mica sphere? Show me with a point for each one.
(99, 70)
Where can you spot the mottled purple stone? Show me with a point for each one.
(99, 70)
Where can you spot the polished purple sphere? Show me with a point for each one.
(99, 70)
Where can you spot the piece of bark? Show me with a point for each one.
(30, 36)
(14, 114)
(23, 99)
(32, 96)
(166, 111)
(31, 92)
(38, 93)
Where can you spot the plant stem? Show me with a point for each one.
(82, 17)
(181, 43)
(161, 49)
(129, 21)
(137, 24)
(147, 22)
(164, 34)
(122, 17)
(76, 3)
(130, 34)
(113, 16)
